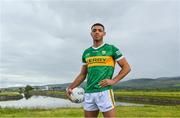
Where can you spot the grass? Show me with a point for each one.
(9, 93)
(10, 96)
(150, 94)
(149, 97)
(177, 85)
(122, 111)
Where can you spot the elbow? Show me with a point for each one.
(83, 75)
(128, 68)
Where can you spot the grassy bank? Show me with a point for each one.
(150, 94)
(10, 96)
(122, 111)
(149, 97)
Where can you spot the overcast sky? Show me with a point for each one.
(42, 41)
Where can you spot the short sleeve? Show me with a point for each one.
(117, 54)
(83, 58)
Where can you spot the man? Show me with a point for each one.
(98, 64)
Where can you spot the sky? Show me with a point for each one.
(41, 42)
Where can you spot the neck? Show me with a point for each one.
(97, 43)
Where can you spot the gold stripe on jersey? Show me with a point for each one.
(100, 61)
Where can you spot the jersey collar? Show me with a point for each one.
(99, 46)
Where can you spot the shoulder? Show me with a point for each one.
(87, 50)
(110, 46)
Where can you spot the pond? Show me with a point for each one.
(48, 102)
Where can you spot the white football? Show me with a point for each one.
(77, 95)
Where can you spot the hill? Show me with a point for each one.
(163, 83)
(171, 83)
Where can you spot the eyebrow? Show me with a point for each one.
(97, 29)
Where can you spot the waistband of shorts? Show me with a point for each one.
(99, 90)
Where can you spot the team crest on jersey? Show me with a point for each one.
(103, 52)
(87, 54)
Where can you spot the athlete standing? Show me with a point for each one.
(98, 65)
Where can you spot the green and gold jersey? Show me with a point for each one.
(100, 63)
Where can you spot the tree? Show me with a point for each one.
(28, 88)
(21, 90)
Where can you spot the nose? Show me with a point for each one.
(96, 32)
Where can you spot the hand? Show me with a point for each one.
(106, 82)
(68, 92)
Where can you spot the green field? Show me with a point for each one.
(150, 94)
(9, 93)
(149, 97)
(173, 94)
(10, 96)
(122, 111)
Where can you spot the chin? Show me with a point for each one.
(97, 39)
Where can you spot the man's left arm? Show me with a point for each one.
(125, 69)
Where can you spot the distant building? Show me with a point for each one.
(55, 88)
(45, 88)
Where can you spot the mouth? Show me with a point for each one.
(97, 36)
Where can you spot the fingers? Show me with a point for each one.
(103, 83)
(68, 92)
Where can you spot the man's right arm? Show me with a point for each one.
(78, 80)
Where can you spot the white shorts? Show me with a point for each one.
(103, 101)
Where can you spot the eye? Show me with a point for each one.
(100, 30)
(94, 30)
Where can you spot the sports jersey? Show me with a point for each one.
(100, 65)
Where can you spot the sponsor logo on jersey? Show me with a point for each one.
(96, 60)
(118, 52)
(100, 61)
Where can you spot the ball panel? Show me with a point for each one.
(77, 95)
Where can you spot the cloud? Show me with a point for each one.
(42, 41)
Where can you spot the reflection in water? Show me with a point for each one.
(46, 102)
(39, 102)
(27, 95)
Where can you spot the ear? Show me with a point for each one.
(104, 33)
(91, 33)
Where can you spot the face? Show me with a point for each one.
(97, 33)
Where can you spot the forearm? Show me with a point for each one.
(79, 79)
(124, 71)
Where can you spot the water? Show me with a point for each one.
(48, 102)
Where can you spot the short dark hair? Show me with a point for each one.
(98, 24)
